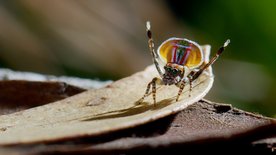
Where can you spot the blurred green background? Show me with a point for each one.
(105, 39)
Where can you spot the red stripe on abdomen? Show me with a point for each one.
(174, 53)
(185, 56)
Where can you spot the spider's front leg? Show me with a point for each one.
(152, 84)
(181, 86)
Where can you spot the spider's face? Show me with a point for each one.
(173, 74)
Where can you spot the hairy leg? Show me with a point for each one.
(191, 85)
(181, 87)
(195, 74)
(151, 48)
(152, 84)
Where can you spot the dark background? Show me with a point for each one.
(105, 39)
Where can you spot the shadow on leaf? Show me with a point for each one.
(134, 110)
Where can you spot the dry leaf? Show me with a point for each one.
(100, 111)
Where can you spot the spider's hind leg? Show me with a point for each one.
(193, 75)
(152, 50)
(203, 67)
(152, 84)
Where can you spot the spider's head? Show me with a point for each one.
(173, 74)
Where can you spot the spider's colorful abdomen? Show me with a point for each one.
(181, 51)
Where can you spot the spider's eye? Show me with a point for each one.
(174, 71)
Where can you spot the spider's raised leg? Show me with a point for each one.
(151, 48)
(152, 84)
(194, 75)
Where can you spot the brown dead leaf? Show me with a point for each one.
(101, 111)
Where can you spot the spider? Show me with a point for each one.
(183, 60)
